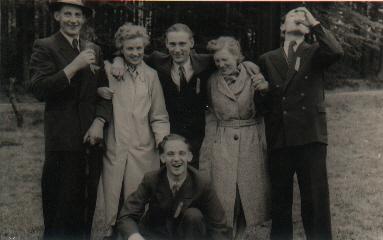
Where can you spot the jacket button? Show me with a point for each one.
(303, 108)
(284, 98)
(302, 94)
(284, 112)
(277, 86)
(236, 137)
(306, 77)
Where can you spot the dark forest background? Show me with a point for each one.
(358, 26)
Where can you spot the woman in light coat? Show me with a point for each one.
(234, 149)
(140, 121)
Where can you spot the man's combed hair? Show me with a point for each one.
(172, 137)
(179, 27)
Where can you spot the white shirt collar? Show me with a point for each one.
(186, 65)
(179, 183)
(69, 38)
(287, 42)
(188, 71)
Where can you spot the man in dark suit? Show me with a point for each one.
(181, 205)
(183, 75)
(296, 128)
(65, 73)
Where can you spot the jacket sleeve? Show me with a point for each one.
(214, 214)
(46, 79)
(329, 49)
(104, 108)
(133, 209)
(158, 116)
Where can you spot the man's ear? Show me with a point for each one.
(192, 42)
(189, 157)
(56, 15)
(283, 28)
(162, 159)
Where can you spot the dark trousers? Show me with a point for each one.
(191, 226)
(195, 143)
(69, 190)
(309, 163)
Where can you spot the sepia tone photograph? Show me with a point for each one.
(189, 120)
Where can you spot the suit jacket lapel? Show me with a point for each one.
(166, 66)
(65, 48)
(197, 65)
(280, 63)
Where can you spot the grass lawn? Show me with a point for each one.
(355, 169)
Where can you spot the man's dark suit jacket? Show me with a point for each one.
(70, 107)
(161, 216)
(187, 109)
(295, 110)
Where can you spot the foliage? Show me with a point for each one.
(357, 26)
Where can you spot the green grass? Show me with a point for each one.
(355, 170)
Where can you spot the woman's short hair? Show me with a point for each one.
(229, 43)
(130, 31)
(179, 27)
(173, 136)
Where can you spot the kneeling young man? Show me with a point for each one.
(181, 205)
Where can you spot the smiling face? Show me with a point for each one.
(179, 45)
(225, 61)
(133, 50)
(71, 20)
(176, 157)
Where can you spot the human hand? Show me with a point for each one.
(85, 58)
(136, 236)
(95, 133)
(118, 68)
(105, 92)
(310, 19)
(259, 83)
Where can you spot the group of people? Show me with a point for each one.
(196, 146)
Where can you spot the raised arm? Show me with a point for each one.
(329, 50)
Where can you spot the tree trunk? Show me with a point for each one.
(379, 75)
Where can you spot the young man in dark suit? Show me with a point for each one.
(180, 204)
(65, 73)
(183, 75)
(296, 128)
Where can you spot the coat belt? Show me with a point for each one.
(237, 123)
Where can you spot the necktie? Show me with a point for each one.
(291, 54)
(175, 189)
(75, 45)
(181, 71)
